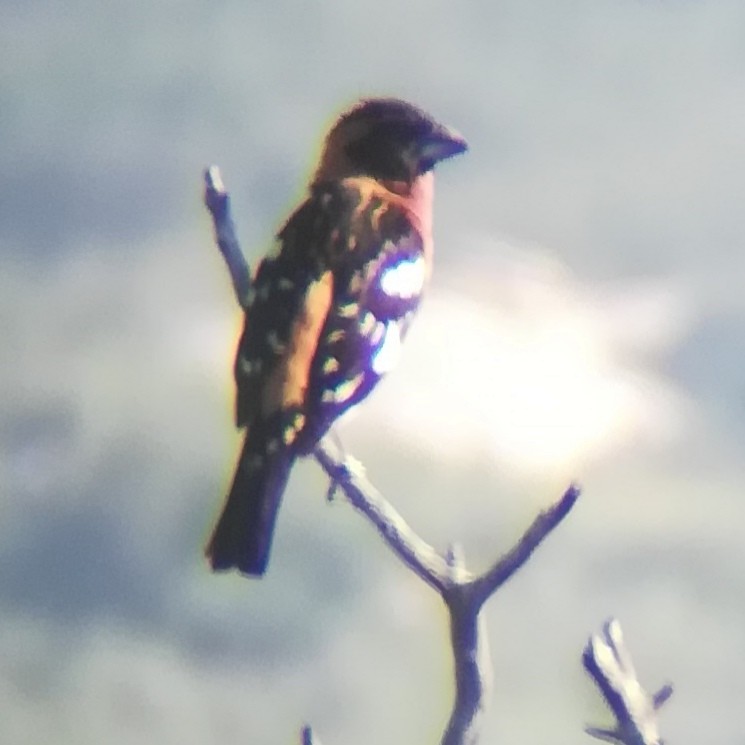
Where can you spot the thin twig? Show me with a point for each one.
(608, 660)
(417, 554)
(217, 201)
(307, 737)
(488, 583)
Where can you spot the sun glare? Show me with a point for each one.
(540, 373)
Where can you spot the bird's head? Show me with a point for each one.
(388, 139)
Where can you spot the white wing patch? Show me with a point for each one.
(404, 279)
(386, 356)
(344, 391)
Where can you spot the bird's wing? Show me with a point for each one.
(290, 299)
(330, 307)
(378, 284)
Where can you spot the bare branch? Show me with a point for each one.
(217, 201)
(607, 659)
(659, 698)
(485, 585)
(307, 737)
(473, 668)
(465, 599)
(418, 555)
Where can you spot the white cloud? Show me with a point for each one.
(535, 367)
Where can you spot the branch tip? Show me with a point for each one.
(213, 179)
(307, 737)
(608, 660)
(661, 697)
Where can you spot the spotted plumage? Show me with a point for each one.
(330, 306)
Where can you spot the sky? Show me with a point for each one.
(585, 322)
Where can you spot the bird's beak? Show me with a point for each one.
(441, 143)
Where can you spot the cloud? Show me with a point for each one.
(535, 368)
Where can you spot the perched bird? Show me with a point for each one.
(329, 306)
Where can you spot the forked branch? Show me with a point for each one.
(607, 659)
(463, 593)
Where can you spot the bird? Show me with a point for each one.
(329, 306)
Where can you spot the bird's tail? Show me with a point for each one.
(242, 538)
